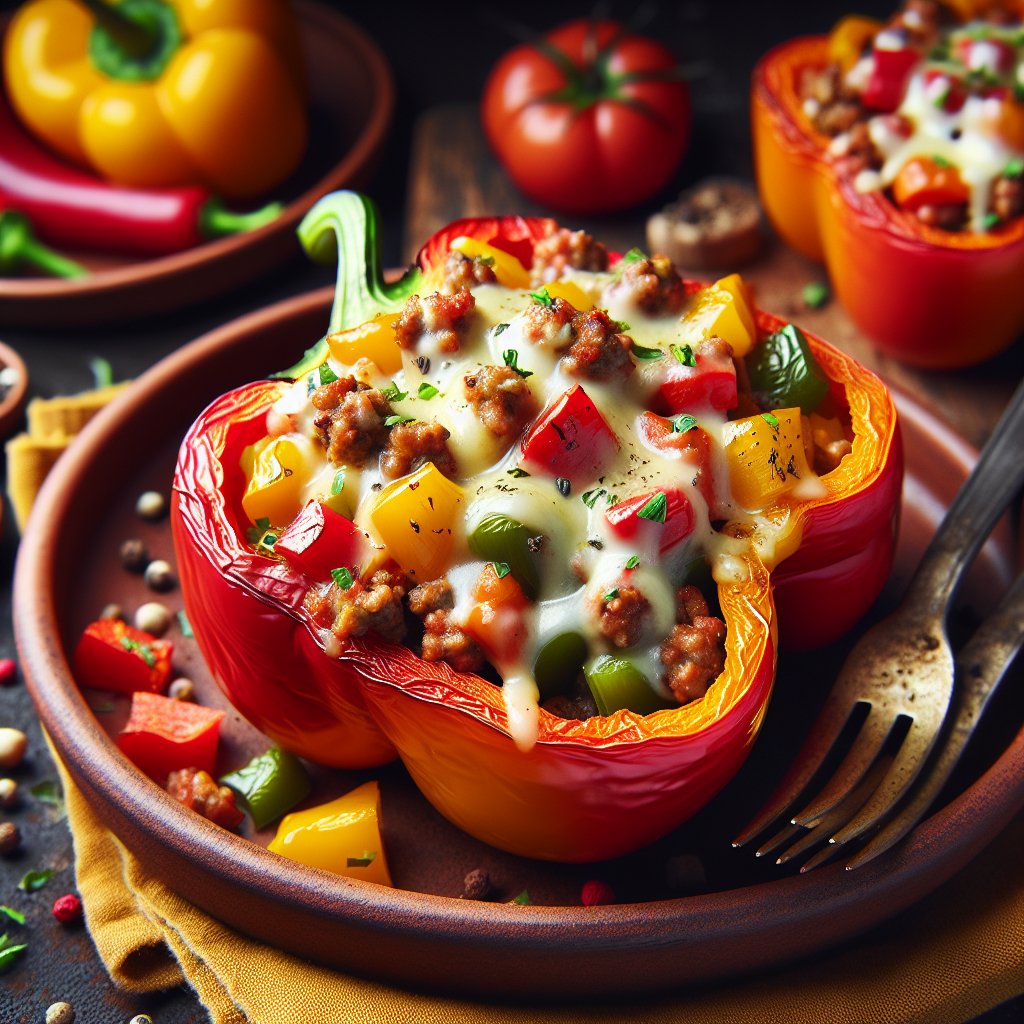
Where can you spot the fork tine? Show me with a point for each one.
(874, 731)
(820, 740)
(981, 667)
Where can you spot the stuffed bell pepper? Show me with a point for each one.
(523, 518)
(895, 153)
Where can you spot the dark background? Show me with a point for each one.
(439, 54)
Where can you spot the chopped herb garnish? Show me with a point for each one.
(543, 297)
(484, 261)
(184, 625)
(501, 569)
(523, 899)
(15, 915)
(343, 577)
(684, 353)
(426, 390)
(642, 352)
(255, 533)
(633, 561)
(564, 486)
(391, 421)
(992, 220)
(611, 594)
(368, 857)
(392, 393)
(771, 419)
(327, 375)
(48, 792)
(815, 294)
(589, 498)
(939, 160)
(500, 329)
(8, 952)
(621, 326)
(33, 881)
(102, 372)
(338, 483)
(634, 255)
(516, 473)
(1014, 169)
(655, 509)
(511, 357)
(683, 423)
(144, 651)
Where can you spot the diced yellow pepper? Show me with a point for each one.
(508, 270)
(373, 340)
(571, 292)
(414, 516)
(341, 836)
(278, 469)
(848, 38)
(765, 455)
(723, 309)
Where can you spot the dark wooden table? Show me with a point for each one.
(436, 168)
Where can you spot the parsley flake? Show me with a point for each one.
(501, 569)
(589, 498)
(393, 421)
(642, 352)
(815, 294)
(940, 161)
(523, 899)
(426, 390)
(338, 483)
(771, 419)
(343, 577)
(655, 509)
(144, 651)
(634, 255)
(633, 561)
(392, 393)
(516, 473)
(511, 357)
(683, 423)
(1014, 169)
(500, 329)
(368, 857)
(33, 881)
(184, 625)
(611, 594)
(327, 375)
(15, 915)
(543, 297)
(9, 952)
(684, 354)
(991, 220)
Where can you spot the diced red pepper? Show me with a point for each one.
(947, 92)
(319, 539)
(571, 439)
(111, 655)
(887, 82)
(678, 522)
(164, 735)
(496, 618)
(709, 383)
(693, 444)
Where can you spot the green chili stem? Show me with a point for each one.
(216, 219)
(18, 245)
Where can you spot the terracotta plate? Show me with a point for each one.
(351, 104)
(692, 909)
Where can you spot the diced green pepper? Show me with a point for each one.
(558, 664)
(617, 683)
(271, 784)
(783, 373)
(499, 538)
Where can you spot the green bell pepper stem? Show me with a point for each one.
(558, 663)
(617, 683)
(19, 246)
(345, 226)
(784, 373)
(499, 538)
(270, 785)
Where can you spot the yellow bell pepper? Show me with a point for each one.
(723, 309)
(848, 38)
(278, 469)
(766, 457)
(341, 836)
(414, 516)
(571, 292)
(374, 340)
(163, 93)
(507, 269)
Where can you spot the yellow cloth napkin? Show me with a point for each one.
(952, 957)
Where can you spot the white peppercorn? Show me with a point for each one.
(10, 838)
(60, 1013)
(9, 795)
(159, 575)
(151, 505)
(182, 689)
(112, 611)
(12, 747)
(134, 556)
(153, 617)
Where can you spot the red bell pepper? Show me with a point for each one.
(163, 735)
(319, 539)
(667, 511)
(111, 655)
(702, 381)
(887, 80)
(70, 207)
(929, 297)
(363, 699)
(571, 439)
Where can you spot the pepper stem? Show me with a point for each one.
(133, 38)
(344, 226)
(18, 246)
(215, 219)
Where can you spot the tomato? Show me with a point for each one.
(590, 119)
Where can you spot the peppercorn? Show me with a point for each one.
(60, 1013)
(151, 505)
(67, 908)
(134, 556)
(476, 885)
(112, 611)
(141, 1018)
(159, 576)
(153, 617)
(8, 671)
(596, 893)
(10, 838)
(9, 795)
(12, 747)
(182, 689)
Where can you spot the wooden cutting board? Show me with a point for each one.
(454, 174)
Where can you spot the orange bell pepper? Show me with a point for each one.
(926, 296)
(586, 790)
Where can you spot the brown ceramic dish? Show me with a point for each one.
(677, 924)
(351, 104)
(12, 391)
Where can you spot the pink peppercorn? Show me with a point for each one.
(67, 909)
(8, 671)
(597, 893)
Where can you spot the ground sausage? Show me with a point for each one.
(373, 606)
(1008, 196)
(652, 284)
(549, 324)
(502, 399)
(198, 790)
(623, 616)
(411, 445)
(445, 317)
(694, 652)
(564, 249)
(462, 272)
(350, 420)
(443, 640)
(599, 351)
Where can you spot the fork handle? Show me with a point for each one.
(996, 478)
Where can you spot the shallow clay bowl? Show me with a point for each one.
(691, 908)
(351, 101)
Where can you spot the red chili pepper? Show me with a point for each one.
(319, 540)
(164, 735)
(572, 439)
(111, 655)
(70, 207)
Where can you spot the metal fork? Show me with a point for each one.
(900, 676)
